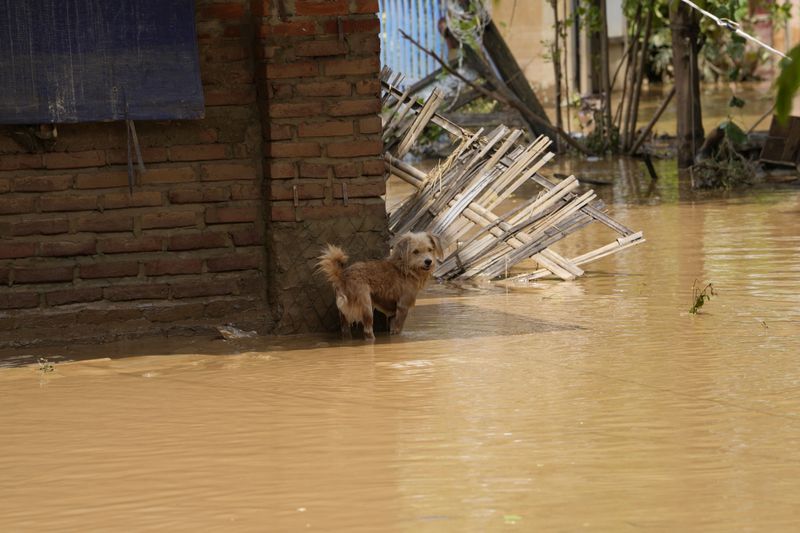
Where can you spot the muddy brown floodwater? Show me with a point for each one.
(596, 404)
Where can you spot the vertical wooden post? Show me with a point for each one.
(604, 71)
(685, 30)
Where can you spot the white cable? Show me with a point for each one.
(734, 27)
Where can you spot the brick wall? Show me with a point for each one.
(226, 222)
(318, 72)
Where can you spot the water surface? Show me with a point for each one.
(597, 404)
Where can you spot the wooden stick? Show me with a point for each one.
(646, 131)
(512, 100)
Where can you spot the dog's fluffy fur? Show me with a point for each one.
(389, 285)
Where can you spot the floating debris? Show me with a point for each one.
(460, 199)
(230, 333)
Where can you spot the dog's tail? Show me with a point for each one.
(331, 263)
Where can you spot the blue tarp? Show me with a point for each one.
(98, 60)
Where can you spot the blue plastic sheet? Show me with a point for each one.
(98, 60)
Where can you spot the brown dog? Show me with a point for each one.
(388, 285)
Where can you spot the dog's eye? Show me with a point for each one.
(416, 252)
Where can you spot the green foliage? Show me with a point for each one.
(700, 296)
(788, 83)
(736, 102)
(724, 56)
(726, 168)
(45, 366)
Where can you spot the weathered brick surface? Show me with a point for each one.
(292, 103)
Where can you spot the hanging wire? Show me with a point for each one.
(734, 27)
(466, 22)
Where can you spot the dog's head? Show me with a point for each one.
(417, 252)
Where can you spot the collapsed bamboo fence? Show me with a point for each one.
(459, 200)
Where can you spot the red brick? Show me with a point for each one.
(224, 308)
(104, 223)
(69, 203)
(285, 191)
(228, 171)
(280, 91)
(328, 47)
(365, 6)
(169, 219)
(230, 11)
(350, 67)
(16, 250)
(293, 149)
(293, 110)
(163, 267)
(360, 25)
(360, 190)
(167, 175)
(150, 154)
(173, 313)
(246, 237)
(196, 241)
(364, 44)
(281, 171)
(5, 185)
(20, 161)
(346, 170)
(122, 245)
(224, 54)
(226, 215)
(368, 88)
(43, 274)
(136, 199)
(375, 167)
(292, 70)
(355, 148)
(322, 212)
(292, 28)
(13, 206)
(233, 262)
(324, 88)
(68, 248)
(241, 95)
(90, 158)
(48, 226)
(196, 196)
(364, 106)
(197, 152)
(321, 7)
(325, 129)
(99, 316)
(101, 180)
(43, 183)
(72, 296)
(208, 288)
(370, 125)
(18, 300)
(278, 132)
(282, 213)
(119, 269)
(313, 170)
(246, 191)
(5, 276)
(149, 291)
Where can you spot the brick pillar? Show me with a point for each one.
(320, 98)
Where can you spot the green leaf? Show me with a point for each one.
(733, 132)
(788, 84)
(736, 102)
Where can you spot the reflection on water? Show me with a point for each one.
(598, 403)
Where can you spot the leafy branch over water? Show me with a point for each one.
(700, 296)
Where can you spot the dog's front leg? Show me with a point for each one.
(400, 315)
(345, 325)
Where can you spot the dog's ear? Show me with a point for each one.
(401, 248)
(437, 245)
